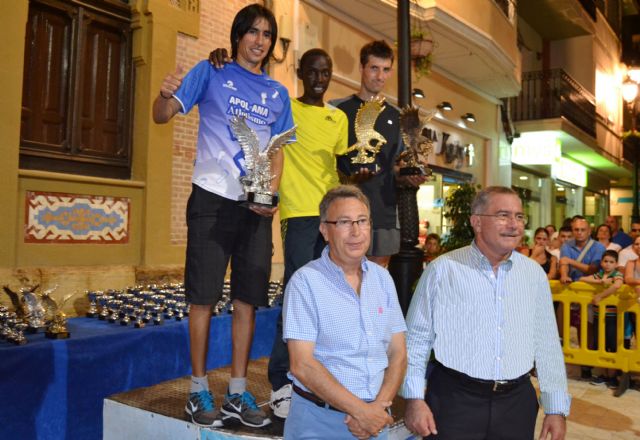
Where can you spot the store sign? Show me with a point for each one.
(569, 171)
(536, 148)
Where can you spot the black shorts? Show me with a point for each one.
(220, 229)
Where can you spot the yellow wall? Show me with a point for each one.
(14, 19)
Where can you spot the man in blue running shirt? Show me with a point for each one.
(219, 227)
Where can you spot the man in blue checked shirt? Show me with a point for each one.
(487, 313)
(345, 331)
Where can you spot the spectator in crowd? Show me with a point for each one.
(541, 255)
(603, 235)
(431, 247)
(485, 338)
(581, 255)
(551, 231)
(344, 330)
(627, 254)
(523, 248)
(618, 236)
(565, 233)
(609, 277)
(632, 278)
(220, 229)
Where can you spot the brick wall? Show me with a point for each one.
(215, 23)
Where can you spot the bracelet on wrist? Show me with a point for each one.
(165, 97)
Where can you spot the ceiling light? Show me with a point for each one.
(445, 105)
(418, 93)
(469, 117)
(524, 178)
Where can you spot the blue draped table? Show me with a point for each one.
(53, 389)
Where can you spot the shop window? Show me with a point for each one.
(77, 88)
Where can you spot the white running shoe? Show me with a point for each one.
(281, 401)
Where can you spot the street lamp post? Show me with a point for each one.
(630, 94)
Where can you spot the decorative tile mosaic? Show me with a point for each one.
(73, 218)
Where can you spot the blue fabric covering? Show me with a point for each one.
(54, 389)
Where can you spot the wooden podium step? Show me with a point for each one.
(158, 411)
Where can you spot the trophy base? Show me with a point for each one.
(139, 325)
(18, 341)
(412, 171)
(260, 199)
(58, 335)
(91, 315)
(33, 330)
(373, 168)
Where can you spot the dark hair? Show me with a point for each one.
(541, 230)
(312, 53)
(603, 226)
(550, 226)
(378, 48)
(244, 20)
(612, 254)
(565, 229)
(577, 217)
(434, 236)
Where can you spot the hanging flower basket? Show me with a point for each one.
(420, 47)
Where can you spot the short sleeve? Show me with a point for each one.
(343, 133)
(194, 85)
(300, 318)
(285, 119)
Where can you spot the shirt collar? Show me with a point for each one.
(481, 260)
(337, 269)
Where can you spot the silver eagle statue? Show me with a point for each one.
(257, 181)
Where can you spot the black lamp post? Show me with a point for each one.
(405, 266)
(630, 95)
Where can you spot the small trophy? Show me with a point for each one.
(368, 140)
(56, 318)
(414, 159)
(257, 180)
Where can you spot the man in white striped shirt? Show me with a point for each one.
(487, 313)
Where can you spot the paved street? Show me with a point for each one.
(597, 415)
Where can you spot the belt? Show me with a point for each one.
(482, 385)
(313, 398)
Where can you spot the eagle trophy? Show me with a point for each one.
(414, 158)
(257, 181)
(366, 133)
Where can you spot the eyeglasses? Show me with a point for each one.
(345, 224)
(504, 217)
(635, 230)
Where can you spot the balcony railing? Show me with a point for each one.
(549, 94)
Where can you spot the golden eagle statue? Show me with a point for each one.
(366, 133)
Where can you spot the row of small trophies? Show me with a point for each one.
(136, 306)
(140, 305)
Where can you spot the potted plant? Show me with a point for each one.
(421, 51)
(458, 212)
(421, 44)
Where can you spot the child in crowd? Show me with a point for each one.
(612, 279)
(431, 247)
